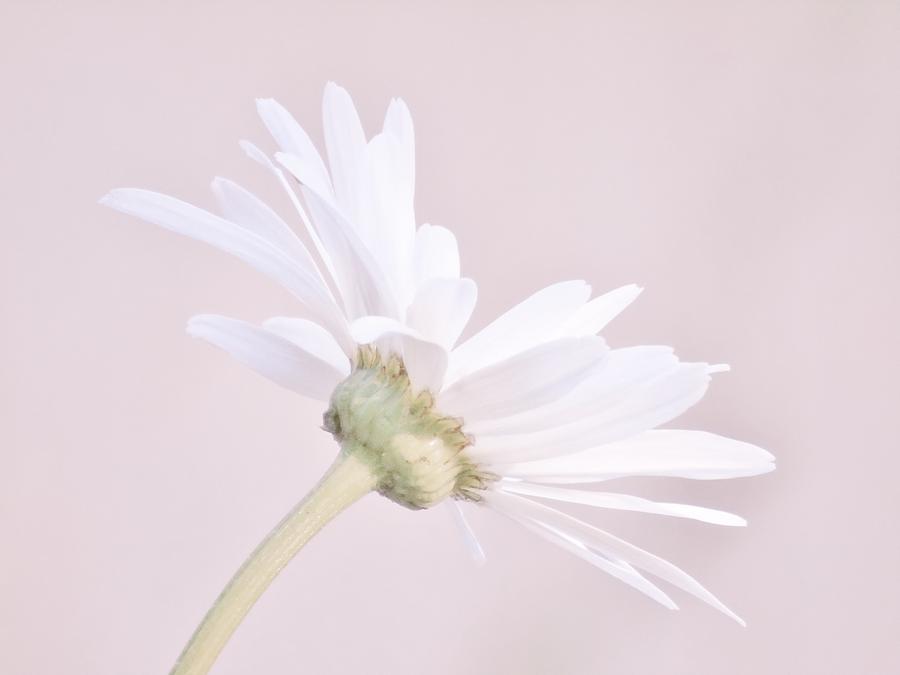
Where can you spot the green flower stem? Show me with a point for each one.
(347, 480)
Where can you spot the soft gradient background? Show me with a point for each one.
(739, 159)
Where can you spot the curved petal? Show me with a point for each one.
(624, 372)
(425, 361)
(270, 355)
(249, 211)
(436, 254)
(442, 308)
(293, 140)
(311, 337)
(465, 529)
(533, 321)
(360, 278)
(345, 143)
(662, 400)
(664, 452)
(525, 381)
(393, 240)
(264, 255)
(592, 317)
(607, 544)
(616, 568)
(610, 500)
(261, 158)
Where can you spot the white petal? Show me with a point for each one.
(307, 175)
(465, 529)
(616, 568)
(609, 545)
(592, 317)
(359, 277)
(664, 452)
(311, 337)
(610, 500)
(264, 255)
(441, 309)
(533, 321)
(347, 155)
(394, 221)
(624, 372)
(525, 381)
(270, 355)
(436, 254)
(294, 141)
(247, 210)
(659, 402)
(425, 361)
(398, 127)
(259, 156)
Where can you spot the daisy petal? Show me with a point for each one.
(525, 381)
(607, 544)
(294, 141)
(441, 309)
(661, 401)
(664, 452)
(359, 277)
(531, 322)
(247, 210)
(311, 337)
(612, 566)
(270, 355)
(259, 156)
(425, 361)
(610, 500)
(436, 254)
(262, 254)
(393, 241)
(468, 534)
(345, 142)
(398, 127)
(624, 372)
(592, 317)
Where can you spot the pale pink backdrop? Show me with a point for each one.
(739, 159)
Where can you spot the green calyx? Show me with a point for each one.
(415, 452)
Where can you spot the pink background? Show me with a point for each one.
(739, 159)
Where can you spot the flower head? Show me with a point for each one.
(513, 416)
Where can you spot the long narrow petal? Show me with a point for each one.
(345, 142)
(360, 278)
(661, 401)
(266, 256)
(616, 568)
(441, 309)
(270, 355)
(610, 545)
(533, 321)
(624, 372)
(436, 254)
(465, 529)
(249, 211)
(665, 452)
(261, 158)
(293, 140)
(393, 239)
(425, 361)
(398, 126)
(525, 381)
(610, 500)
(311, 337)
(592, 317)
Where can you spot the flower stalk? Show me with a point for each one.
(346, 481)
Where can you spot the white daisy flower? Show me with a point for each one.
(508, 419)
